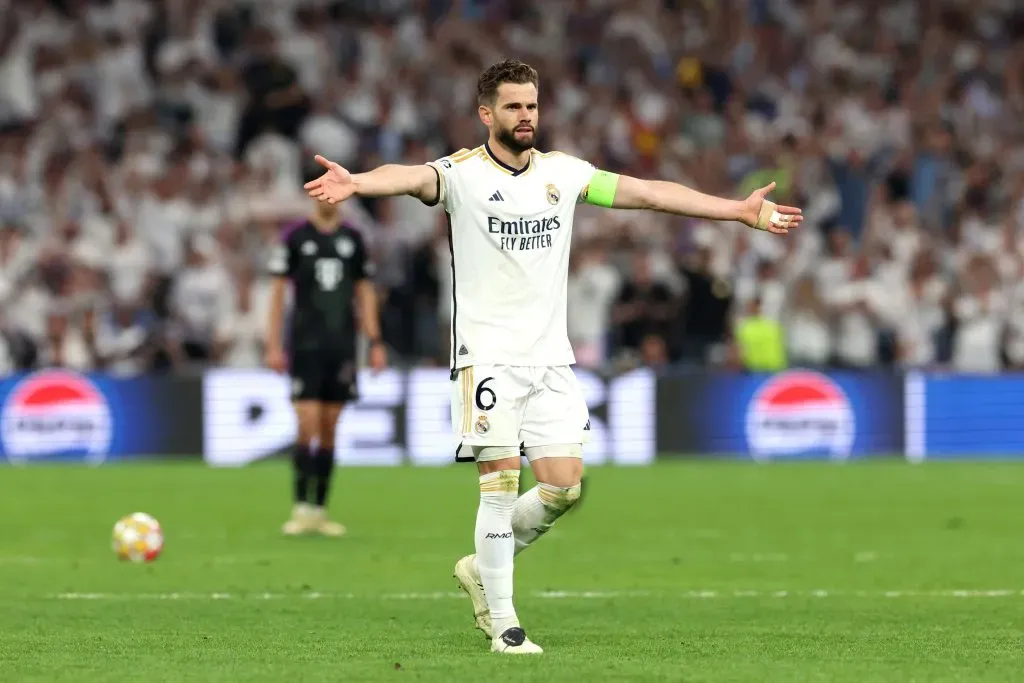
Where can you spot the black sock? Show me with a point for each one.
(323, 468)
(302, 468)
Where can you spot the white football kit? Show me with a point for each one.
(510, 232)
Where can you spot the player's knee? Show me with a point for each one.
(491, 459)
(559, 499)
(329, 416)
(308, 434)
(499, 480)
(559, 465)
(326, 439)
(307, 437)
(308, 417)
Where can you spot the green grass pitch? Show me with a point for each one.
(679, 572)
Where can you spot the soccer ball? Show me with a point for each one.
(138, 538)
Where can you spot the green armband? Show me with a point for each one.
(601, 190)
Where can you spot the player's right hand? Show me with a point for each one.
(276, 360)
(335, 185)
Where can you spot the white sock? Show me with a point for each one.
(495, 545)
(537, 509)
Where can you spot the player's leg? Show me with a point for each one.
(495, 544)
(554, 429)
(337, 388)
(486, 406)
(466, 570)
(307, 413)
(323, 456)
(323, 471)
(558, 469)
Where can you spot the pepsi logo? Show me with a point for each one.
(800, 412)
(56, 413)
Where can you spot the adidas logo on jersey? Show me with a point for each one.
(463, 351)
(586, 427)
(496, 197)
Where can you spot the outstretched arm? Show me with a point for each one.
(337, 184)
(625, 192)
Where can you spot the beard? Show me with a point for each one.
(517, 146)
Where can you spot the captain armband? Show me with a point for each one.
(601, 190)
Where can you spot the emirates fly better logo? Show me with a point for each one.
(800, 413)
(55, 412)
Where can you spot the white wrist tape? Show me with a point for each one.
(768, 215)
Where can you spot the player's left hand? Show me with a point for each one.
(378, 357)
(335, 185)
(759, 212)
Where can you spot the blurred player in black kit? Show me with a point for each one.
(327, 264)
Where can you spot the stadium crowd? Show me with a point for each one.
(151, 151)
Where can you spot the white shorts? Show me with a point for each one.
(517, 406)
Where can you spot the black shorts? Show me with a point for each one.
(324, 377)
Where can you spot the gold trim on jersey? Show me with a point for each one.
(451, 160)
(466, 375)
(487, 157)
(464, 154)
(502, 166)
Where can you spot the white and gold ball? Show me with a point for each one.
(138, 538)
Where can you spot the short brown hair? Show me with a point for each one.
(508, 71)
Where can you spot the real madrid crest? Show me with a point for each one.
(344, 246)
(553, 194)
(482, 426)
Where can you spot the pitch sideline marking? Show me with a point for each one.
(739, 557)
(558, 595)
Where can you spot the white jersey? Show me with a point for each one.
(510, 233)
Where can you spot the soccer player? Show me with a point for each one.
(327, 263)
(510, 214)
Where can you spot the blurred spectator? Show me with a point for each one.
(65, 343)
(128, 264)
(277, 102)
(325, 133)
(643, 308)
(8, 345)
(121, 340)
(807, 332)
(425, 282)
(836, 266)
(979, 312)
(593, 285)
(855, 303)
(202, 296)
(654, 351)
(707, 301)
(922, 308)
(760, 340)
(240, 335)
(768, 286)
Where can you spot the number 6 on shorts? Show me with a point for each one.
(483, 393)
(485, 412)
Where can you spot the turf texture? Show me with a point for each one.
(697, 571)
